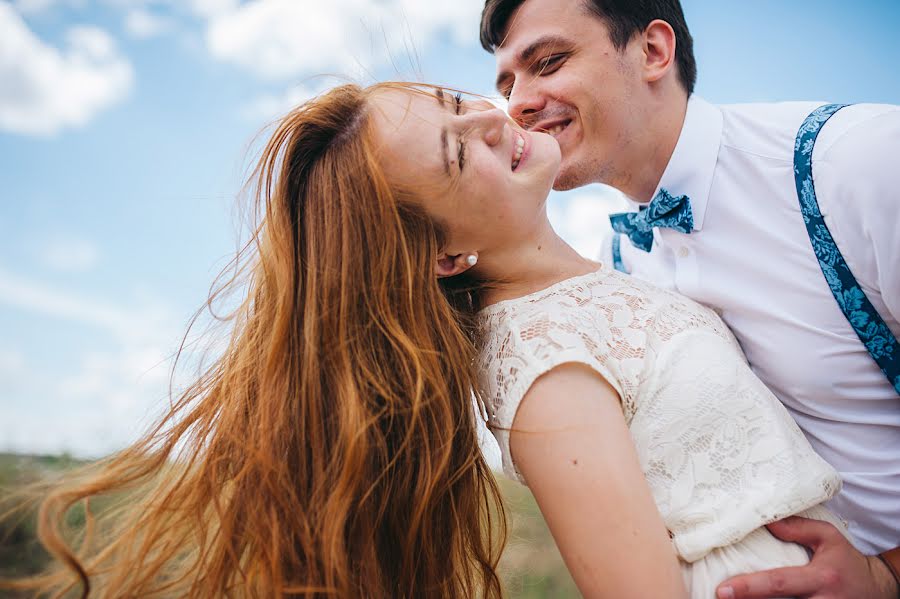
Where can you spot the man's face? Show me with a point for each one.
(561, 73)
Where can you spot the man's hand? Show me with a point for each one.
(836, 571)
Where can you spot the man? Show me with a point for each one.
(612, 80)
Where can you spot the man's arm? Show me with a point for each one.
(856, 182)
(570, 441)
(855, 179)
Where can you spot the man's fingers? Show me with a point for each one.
(781, 582)
(804, 531)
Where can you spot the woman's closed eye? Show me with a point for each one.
(461, 143)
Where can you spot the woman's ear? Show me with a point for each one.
(449, 266)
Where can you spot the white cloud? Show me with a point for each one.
(116, 378)
(102, 407)
(44, 89)
(202, 9)
(198, 8)
(270, 106)
(69, 255)
(280, 39)
(142, 24)
(582, 218)
(460, 19)
(12, 362)
(210, 8)
(143, 322)
(100, 398)
(35, 6)
(13, 373)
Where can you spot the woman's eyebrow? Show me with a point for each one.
(445, 144)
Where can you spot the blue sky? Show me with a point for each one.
(125, 132)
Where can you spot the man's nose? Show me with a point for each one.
(525, 101)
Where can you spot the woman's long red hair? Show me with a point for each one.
(331, 450)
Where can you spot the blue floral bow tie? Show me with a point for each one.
(665, 210)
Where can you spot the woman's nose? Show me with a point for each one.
(490, 123)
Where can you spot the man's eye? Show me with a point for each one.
(550, 63)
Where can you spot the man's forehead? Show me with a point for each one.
(538, 22)
(535, 17)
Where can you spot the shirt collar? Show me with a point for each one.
(690, 169)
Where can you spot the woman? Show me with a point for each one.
(630, 411)
(331, 450)
(405, 259)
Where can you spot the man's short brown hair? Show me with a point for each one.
(624, 18)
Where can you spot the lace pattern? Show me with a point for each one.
(721, 455)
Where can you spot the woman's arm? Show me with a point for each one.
(570, 441)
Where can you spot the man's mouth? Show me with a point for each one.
(555, 128)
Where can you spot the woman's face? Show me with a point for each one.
(486, 179)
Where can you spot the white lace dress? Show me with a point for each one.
(720, 453)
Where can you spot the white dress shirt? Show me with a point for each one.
(751, 260)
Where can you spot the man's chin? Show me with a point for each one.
(570, 177)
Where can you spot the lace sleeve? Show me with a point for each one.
(522, 347)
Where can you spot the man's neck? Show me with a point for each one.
(643, 171)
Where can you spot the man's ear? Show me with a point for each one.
(449, 266)
(659, 50)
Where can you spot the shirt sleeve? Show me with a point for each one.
(856, 184)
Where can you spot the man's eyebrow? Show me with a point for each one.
(526, 56)
(445, 145)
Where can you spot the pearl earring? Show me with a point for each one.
(471, 259)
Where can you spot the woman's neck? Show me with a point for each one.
(537, 264)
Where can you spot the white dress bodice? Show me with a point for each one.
(720, 453)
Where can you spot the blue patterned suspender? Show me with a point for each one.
(860, 312)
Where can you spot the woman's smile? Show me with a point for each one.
(519, 151)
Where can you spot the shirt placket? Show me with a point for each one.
(685, 259)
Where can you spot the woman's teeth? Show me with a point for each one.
(520, 146)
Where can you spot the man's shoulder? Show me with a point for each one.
(770, 111)
(860, 134)
(765, 130)
(768, 130)
(854, 164)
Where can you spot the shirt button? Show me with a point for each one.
(683, 252)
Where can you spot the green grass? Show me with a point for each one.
(531, 566)
(20, 553)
